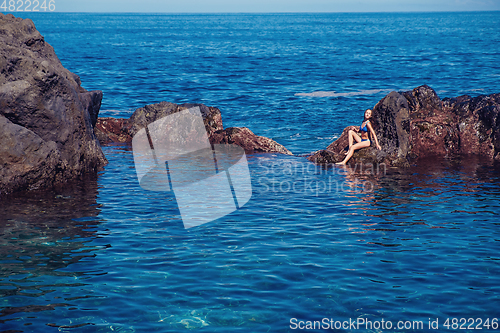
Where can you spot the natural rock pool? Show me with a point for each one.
(413, 245)
(388, 245)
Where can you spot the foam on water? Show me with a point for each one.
(345, 94)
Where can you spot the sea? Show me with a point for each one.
(315, 249)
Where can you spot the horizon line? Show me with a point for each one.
(277, 12)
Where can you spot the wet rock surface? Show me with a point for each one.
(417, 124)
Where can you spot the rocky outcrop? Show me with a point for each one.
(110, 130)
(46, 117)
(246, 139)
(123, 130)
(417, 124)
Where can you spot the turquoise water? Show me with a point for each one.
(104, 255)
(409, 245)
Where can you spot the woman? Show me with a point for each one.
(362, 141)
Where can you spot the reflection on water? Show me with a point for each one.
(41, 234)
(434, 192)
(439, 191)
(311, 243)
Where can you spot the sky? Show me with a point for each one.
(269, 6)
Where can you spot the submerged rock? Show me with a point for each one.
(46, 117)
(110, 130)
(418, 124)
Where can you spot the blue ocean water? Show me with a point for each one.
(418, 244)
(253, 66)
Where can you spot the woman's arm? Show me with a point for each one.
(374, 135)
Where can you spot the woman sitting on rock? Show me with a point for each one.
(362, 141)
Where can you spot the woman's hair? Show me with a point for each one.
(366, 119)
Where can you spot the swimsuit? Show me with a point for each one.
(364, 129)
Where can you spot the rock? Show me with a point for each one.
(335, 152)
(477, 123)
(110, 130)
(122, 130)
(458, 126)
(418, 124)
(246, 139)
(434, 130)
(150, 113)
(325, 157)
(46, 117)
(424, 100)
(391, 122)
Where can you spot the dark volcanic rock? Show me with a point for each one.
(110, 129)
(391, 122)
(456, 126)
(46, 117)
(335, 152)
(477, 124)
(418, 124)
(434, 129)
(123, 130)
(246, 139)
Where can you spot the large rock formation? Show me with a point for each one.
(416, 124)
(46, 117)
(123, 130)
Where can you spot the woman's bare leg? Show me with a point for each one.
(353, 136)
(355, 147)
